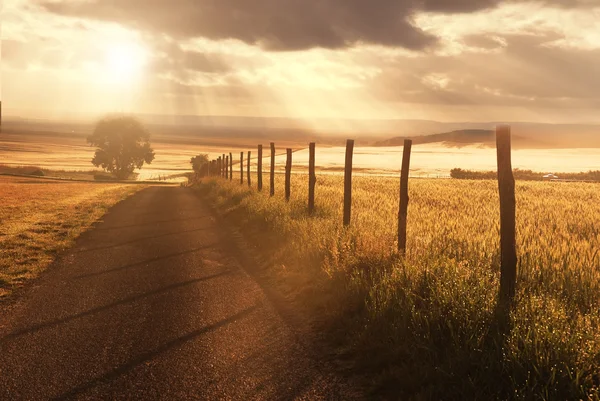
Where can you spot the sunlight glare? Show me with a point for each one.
(125, 62)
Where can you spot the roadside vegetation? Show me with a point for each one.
(524, 175)
(424, 326)
(39, 218)
(35, 171)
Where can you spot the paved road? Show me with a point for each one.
(150, 305)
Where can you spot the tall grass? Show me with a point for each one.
(39, 218)
(424, 326)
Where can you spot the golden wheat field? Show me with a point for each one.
(40, 217)
(428, 320)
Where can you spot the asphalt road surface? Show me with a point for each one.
(150, 304)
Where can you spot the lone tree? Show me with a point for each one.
(123, 145)
(198, 162)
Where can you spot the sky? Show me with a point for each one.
(460, 60)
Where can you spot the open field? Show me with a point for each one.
(38, 218)
(69, 152)
(425, 327)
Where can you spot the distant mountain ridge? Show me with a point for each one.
(458, 137)
(479, 137)
(530, 135)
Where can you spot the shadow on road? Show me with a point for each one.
(143, 262)
(67, 319)
(148, 223)
(99, 248)
(145, 357)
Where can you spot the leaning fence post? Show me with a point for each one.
(348, 182)
(272, 169)
(312, 178)
(230, 166)
(404, 199)
(241, 168)
(249, 180)
(506, 186)
(288, 174)
(259, 168)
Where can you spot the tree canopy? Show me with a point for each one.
(123, 145)
(199, 161)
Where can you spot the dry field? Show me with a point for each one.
(425, 326)
(68, 155)
(39, 218)
(69, 151)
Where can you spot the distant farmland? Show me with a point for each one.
(69, 151)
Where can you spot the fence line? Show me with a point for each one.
(404, 199)
(288, 174)
(249, 179)
(312, 178)
(272, 189)
(223, 166)
(241, 168)
(348, 182)
(259, 168)
(508, 247)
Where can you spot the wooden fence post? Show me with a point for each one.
(259, 168)
(404, 199)
(272, 169)
(248, 178)
(241, 168)
(223, 165)
(506, 186)
(288, 175)
(226, 169)
(220, 166)
(230, 166)
(348, 182)
(312, 178)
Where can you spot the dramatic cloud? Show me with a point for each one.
(433, 59)
(285, 24)
(276, 24)
(529, 71)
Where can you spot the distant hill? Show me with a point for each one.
(232, 129)
(466, 137)
(456, 138)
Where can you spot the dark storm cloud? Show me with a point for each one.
(529, 71)
(458, 6)
(276, 24)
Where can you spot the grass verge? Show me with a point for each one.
(424, 326)
(39, 218)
